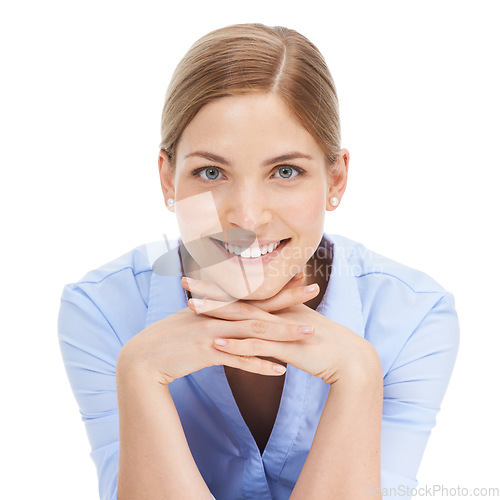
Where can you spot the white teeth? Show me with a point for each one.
(253, 252)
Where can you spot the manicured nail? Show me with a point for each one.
(306, 329)
(311, 288)
(189, 281)
(220, 341)
(196, 302)
(279, 368)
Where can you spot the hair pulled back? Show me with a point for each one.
(249, 58)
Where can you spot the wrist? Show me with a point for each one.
(132, 367)
(363, 371)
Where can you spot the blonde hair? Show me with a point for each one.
(248, 58)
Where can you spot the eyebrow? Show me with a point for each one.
(219, 159)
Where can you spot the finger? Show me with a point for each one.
(213, 291)
(254, 347)
(287, 298)
(251, 364)
(229, 310)
(233, 311)
(206, 289)
(281, 330)
(291, 294)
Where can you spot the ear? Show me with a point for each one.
(166, 177)
(338, 179)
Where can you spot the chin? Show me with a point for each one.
(261, 294)
(240, 290)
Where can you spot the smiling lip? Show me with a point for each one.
(248, 244)
(263, 259)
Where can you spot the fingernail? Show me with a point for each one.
(196, 302)
(306, 329)
(298, 276)
(311, 288)
(220, 341)
(189, 281)
(279, 368)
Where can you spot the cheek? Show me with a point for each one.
(197, 216)
(304, 209)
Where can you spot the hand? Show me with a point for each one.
(334, 352)
(184, 341)
(214, 297)
(330, 352)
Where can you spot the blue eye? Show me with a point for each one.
(212, 173)
(289, 171)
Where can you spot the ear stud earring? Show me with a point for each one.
(170, 202)
(334, 201)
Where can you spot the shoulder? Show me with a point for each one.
(396, 302)
(367, 265)
(133, 262)
(130, 270)
(115, 293)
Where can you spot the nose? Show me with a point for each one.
(247, 206)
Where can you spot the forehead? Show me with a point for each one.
(236, 124)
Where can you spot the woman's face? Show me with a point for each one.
(230, 186)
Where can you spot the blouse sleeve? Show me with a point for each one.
(414, 387)
(89, 348)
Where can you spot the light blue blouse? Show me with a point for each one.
(408, 317)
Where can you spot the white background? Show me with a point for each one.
(82, 92)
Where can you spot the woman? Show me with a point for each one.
(185, 398)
